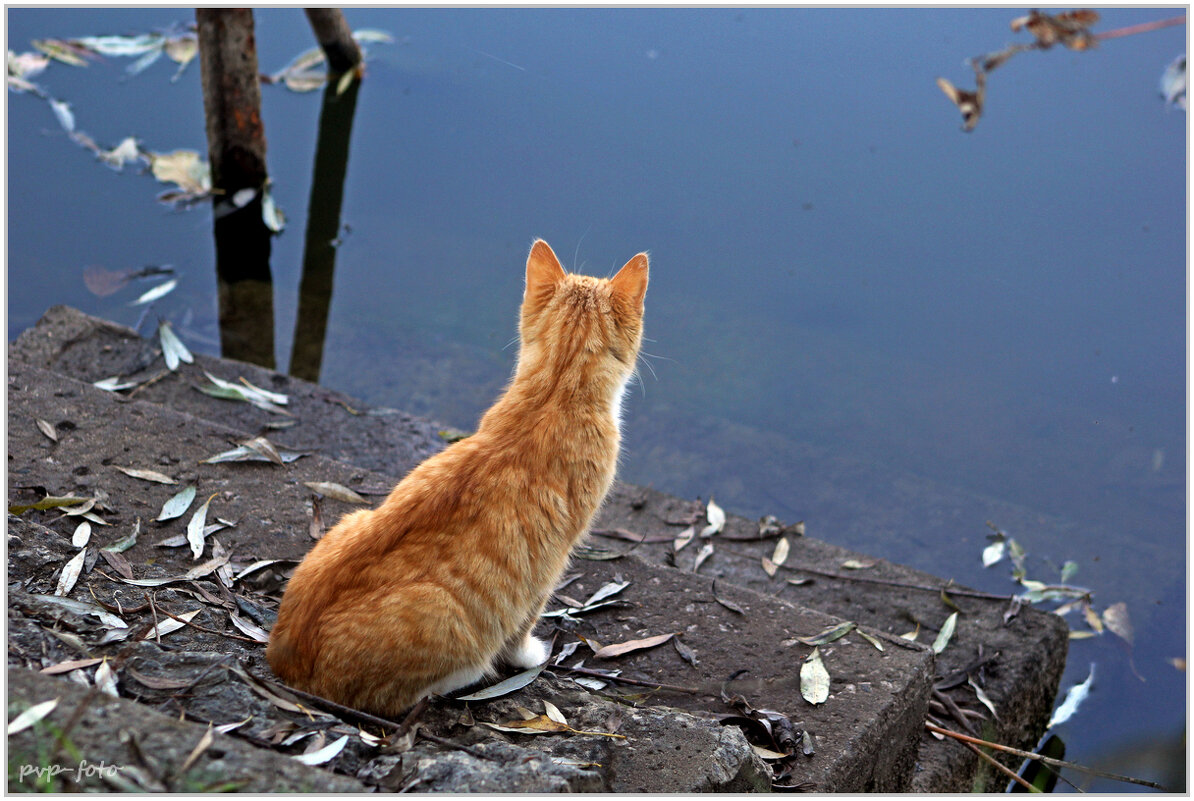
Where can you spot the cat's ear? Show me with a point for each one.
(543, 269)
(631, 280)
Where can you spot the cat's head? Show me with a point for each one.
(577, 322)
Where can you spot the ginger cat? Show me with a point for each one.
(423, 594)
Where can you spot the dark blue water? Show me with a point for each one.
(861, 316)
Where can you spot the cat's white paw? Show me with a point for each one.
(457, 680)
(531, 652)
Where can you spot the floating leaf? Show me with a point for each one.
(178, 505)
(61, 51)
(683, 538)
(946, 633)
(968, 102)
(159, 291)
(829, 634)
(1092, 618)
(335, 491)
(30, 716)
(515, 682)
(195, 528)
(173, 351)
(1068, 570)
(46, 429)
(128, 150)
(1082, 635)
(66, 117)
(1115, 618)
(82, 535)
(70, 573)
(146, 475)
(184, 168)
(1173, 82)
(814, 679)
(1073, 699)
(325, 754)
(705, 552)
(993, 553)
(618, 649)
(716, 517)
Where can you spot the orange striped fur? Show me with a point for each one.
(427, 592)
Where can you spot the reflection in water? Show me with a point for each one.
(323, 226)
(246, 293)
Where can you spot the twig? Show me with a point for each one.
(148, 383)
(1059, 763)
(1002, 768)
(1143, 27)
(986, 596)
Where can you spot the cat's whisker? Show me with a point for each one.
(511, 342)
(649, 367)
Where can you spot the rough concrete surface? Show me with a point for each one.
(867, 736)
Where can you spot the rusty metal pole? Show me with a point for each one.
(335, 39)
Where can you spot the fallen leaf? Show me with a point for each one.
(1115, 618)
(70, 573)
(765, 753)
(159, 291)
(814, 679)
(204, 743)
(540, 724)
(30, 716)
(911, 635)
(1082, 635)
(170, 625)
(800, 582)
(716, 517)
(46, 429)
(946, 633)
(982, 696)
(114, 384)
(335, 491)
(769, 567)
(105, 679)
(705, 552)
(553, 712)
(146, 475)
(69, 665)
(686, 653)
(82, 534)
(683, 538)
(195, 528)
(829, 634)
(83, 608)
(325, 754)
(515, 682)
(1073, 699)
(781, 552)
(733, 607)
(993, 553)
(249, 628)
(607, 591)
(857, 564)
(618, 649)
(177, 505)
(872, 640)
(173, 351)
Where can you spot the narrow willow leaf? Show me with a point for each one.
(1082, 635)
(769, 567)
(1092, 618)
(829, 633)
(911, 635)
(733, 607)
(195, 528)
(325, 754)
(683, 538)
(946, 633)
(814, 679)
(781, 552)
(146, 475)
(114, 384)
(105, 679)
(69, 665)
(70, 573)
(338, 492)
(249, 628)
(515, 682)
(705, 552)
(541, 724)
(159, 291)
(46, 429)
(1067, 571)
(857, 564)
(178, 505)
(982, 696)
(82, 535)
(48, 502)
(83, 608)
(1073, 699)
(800, 582)
(264, 447)
(765, 753)
(30, 716)
(204, 743)
(1115, 618)
(122, 545)
(170, 625)
(716, 517)
(608, 591)
(66, 117)
(610, 651)
(553, 712)
(872, 640)
(173, 351)
(993, 553)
